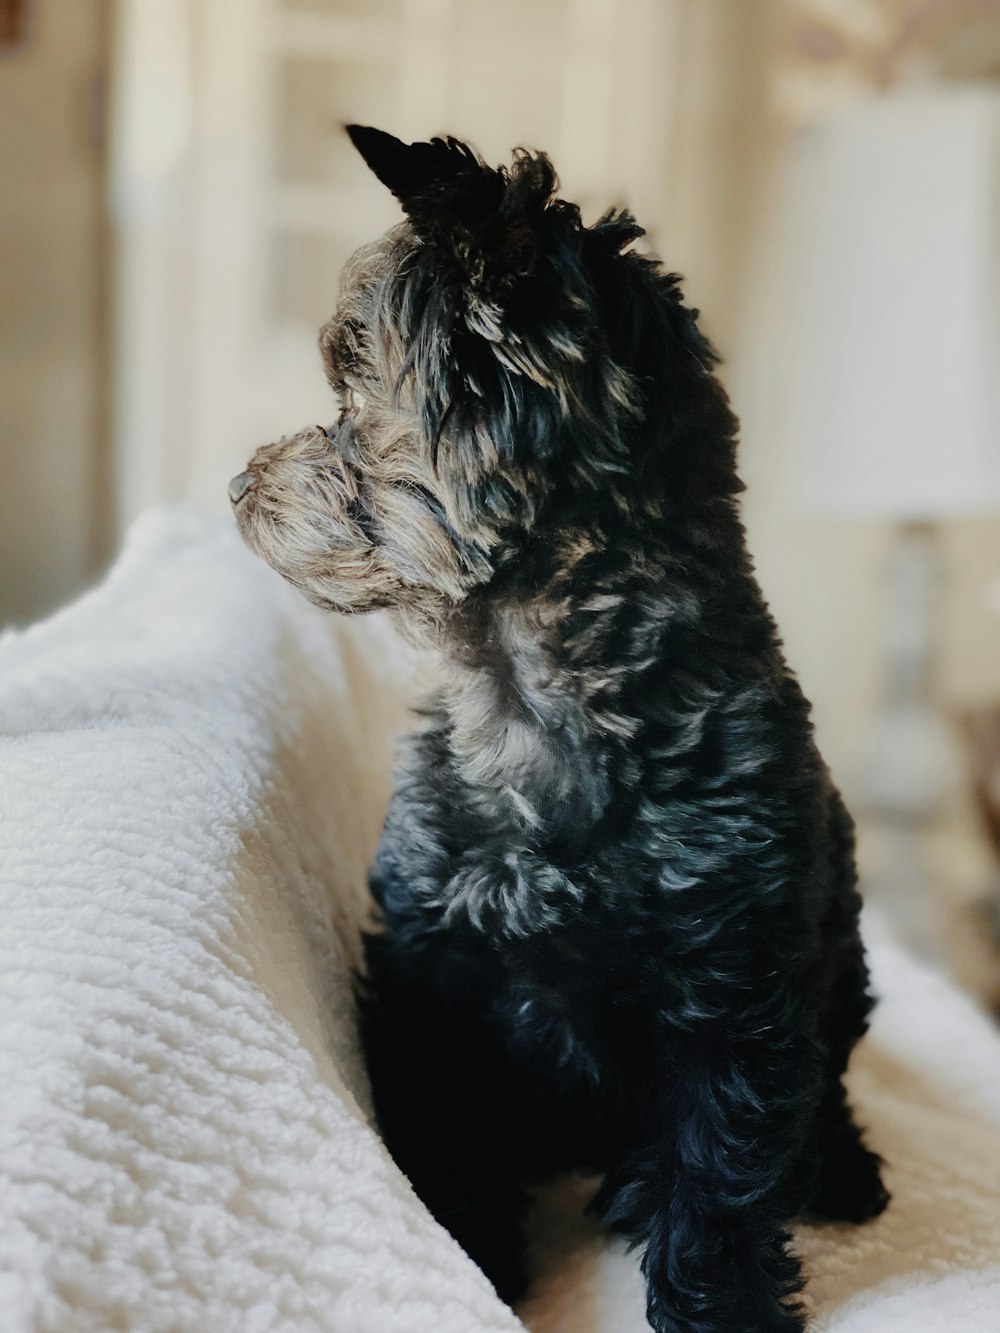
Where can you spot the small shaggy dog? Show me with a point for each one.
(616, 889)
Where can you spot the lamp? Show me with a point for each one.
(897, 202)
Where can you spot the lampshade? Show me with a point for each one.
(895, 281)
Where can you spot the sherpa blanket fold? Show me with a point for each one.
(193, 769)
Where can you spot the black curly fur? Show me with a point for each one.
(618, 916)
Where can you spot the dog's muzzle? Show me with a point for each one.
(240, 486)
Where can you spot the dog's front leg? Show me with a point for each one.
(704, 1189)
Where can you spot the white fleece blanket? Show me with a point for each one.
(192, 776)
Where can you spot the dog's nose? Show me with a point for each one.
(239, 486)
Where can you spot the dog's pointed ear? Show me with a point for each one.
(443, 176)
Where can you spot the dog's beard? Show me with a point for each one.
(302, 515)
(354, 536)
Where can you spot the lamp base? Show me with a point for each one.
(914, 764)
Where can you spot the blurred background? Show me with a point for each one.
(177, 200)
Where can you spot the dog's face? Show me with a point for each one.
(495, 362)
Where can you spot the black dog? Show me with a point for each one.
(616, 886)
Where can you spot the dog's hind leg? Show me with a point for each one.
(451, 1109)
(846, 1183)
(840, 1178)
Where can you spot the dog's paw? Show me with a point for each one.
(743, 1287)
(779, 1319)
(850, 1186)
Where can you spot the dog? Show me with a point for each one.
(618, 915)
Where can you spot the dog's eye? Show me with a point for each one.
(357, 400)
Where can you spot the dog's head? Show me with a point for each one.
(499, 366)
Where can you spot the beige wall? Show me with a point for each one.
(721, 133)
(52, 500)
